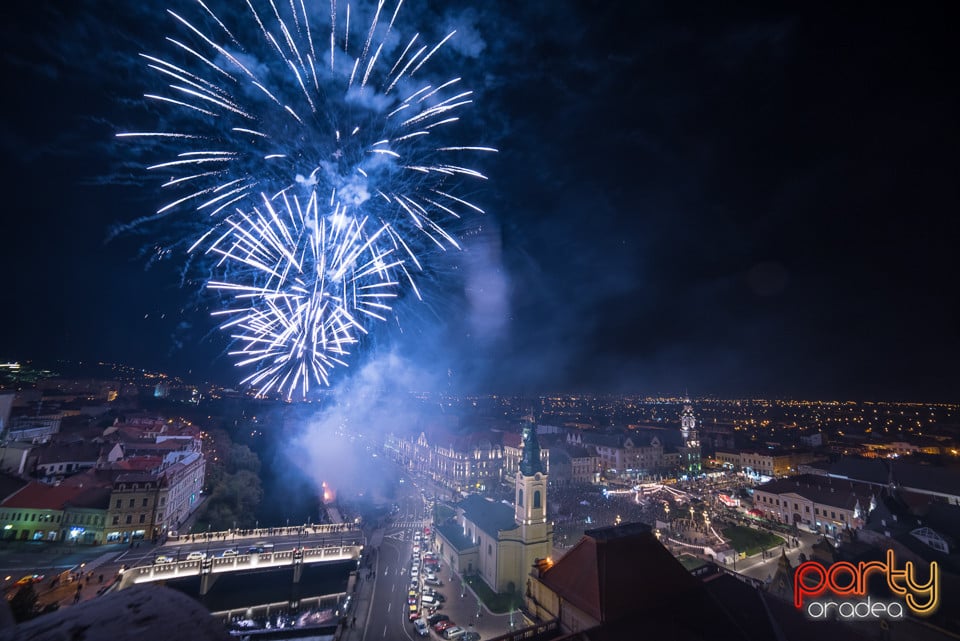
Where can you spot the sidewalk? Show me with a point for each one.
(359, 612)
(470, 613)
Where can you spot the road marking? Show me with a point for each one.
(384, 630)
(389, 605)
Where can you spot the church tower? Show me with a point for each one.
(531, 493)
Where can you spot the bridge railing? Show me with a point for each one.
(265, 532)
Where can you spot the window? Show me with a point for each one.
(116, 520)
(807, 509)
(132, 502)
(143, 518)
(520, 498)
(119, 503)
(145, 502)
(536, 499)
(833, 515)
(489, 549)
(129, 519)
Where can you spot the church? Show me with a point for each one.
(497, 541)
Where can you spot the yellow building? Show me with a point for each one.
(496, 541)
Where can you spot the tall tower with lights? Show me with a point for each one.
(691, 441)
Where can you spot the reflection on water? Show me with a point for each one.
(254, 601)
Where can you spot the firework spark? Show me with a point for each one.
(322, 175)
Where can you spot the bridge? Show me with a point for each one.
(208, 569)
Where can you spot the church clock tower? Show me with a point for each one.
(531, 493)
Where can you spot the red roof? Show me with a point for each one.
(512, 439)
(40, 496)
(601, 575)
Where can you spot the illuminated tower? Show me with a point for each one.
(534, 533)
(691, 442)
(531, 492)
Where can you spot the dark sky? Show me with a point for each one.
(758, 200)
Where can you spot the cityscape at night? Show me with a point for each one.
(349, 320)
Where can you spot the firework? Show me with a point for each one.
(315, 159)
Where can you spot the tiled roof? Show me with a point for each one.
(613, 573)
(512, 439)
(453, 532)
(490, 516)
(930, 478)
(10, 484)
(40, 496)
(823, 490)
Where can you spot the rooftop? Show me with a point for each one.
(491, 517)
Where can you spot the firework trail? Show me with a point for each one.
(316, 160)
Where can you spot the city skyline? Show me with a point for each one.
(737, 203)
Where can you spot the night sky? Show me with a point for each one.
(756, 200)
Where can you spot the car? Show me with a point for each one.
(414, 582)
(411, 600)
(437, 618)
(162, 559)
(226, 553)
(414, 571)
(454, 633)
(434, 582)
(471, 636)
(30, 578)
(416, 548)
(412, 593)
(196, 556)
(421, 627)
(429, 575)
(414, 611)
(439, 597)
(428, 600)
(254, 549)
(442, 625)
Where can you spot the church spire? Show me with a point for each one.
(530, 463)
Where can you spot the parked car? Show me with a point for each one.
(442, 625)
(434, 582)
(437, 618)
(454, 633)
(196, 556)
(414, 611)
(421, 627)
(471, 636)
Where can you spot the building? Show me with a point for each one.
(620, 583)
(820, 504)
(770, 463)
(55, 461)
(473, 462)
(496, 541)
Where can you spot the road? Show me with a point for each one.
(389, 610)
